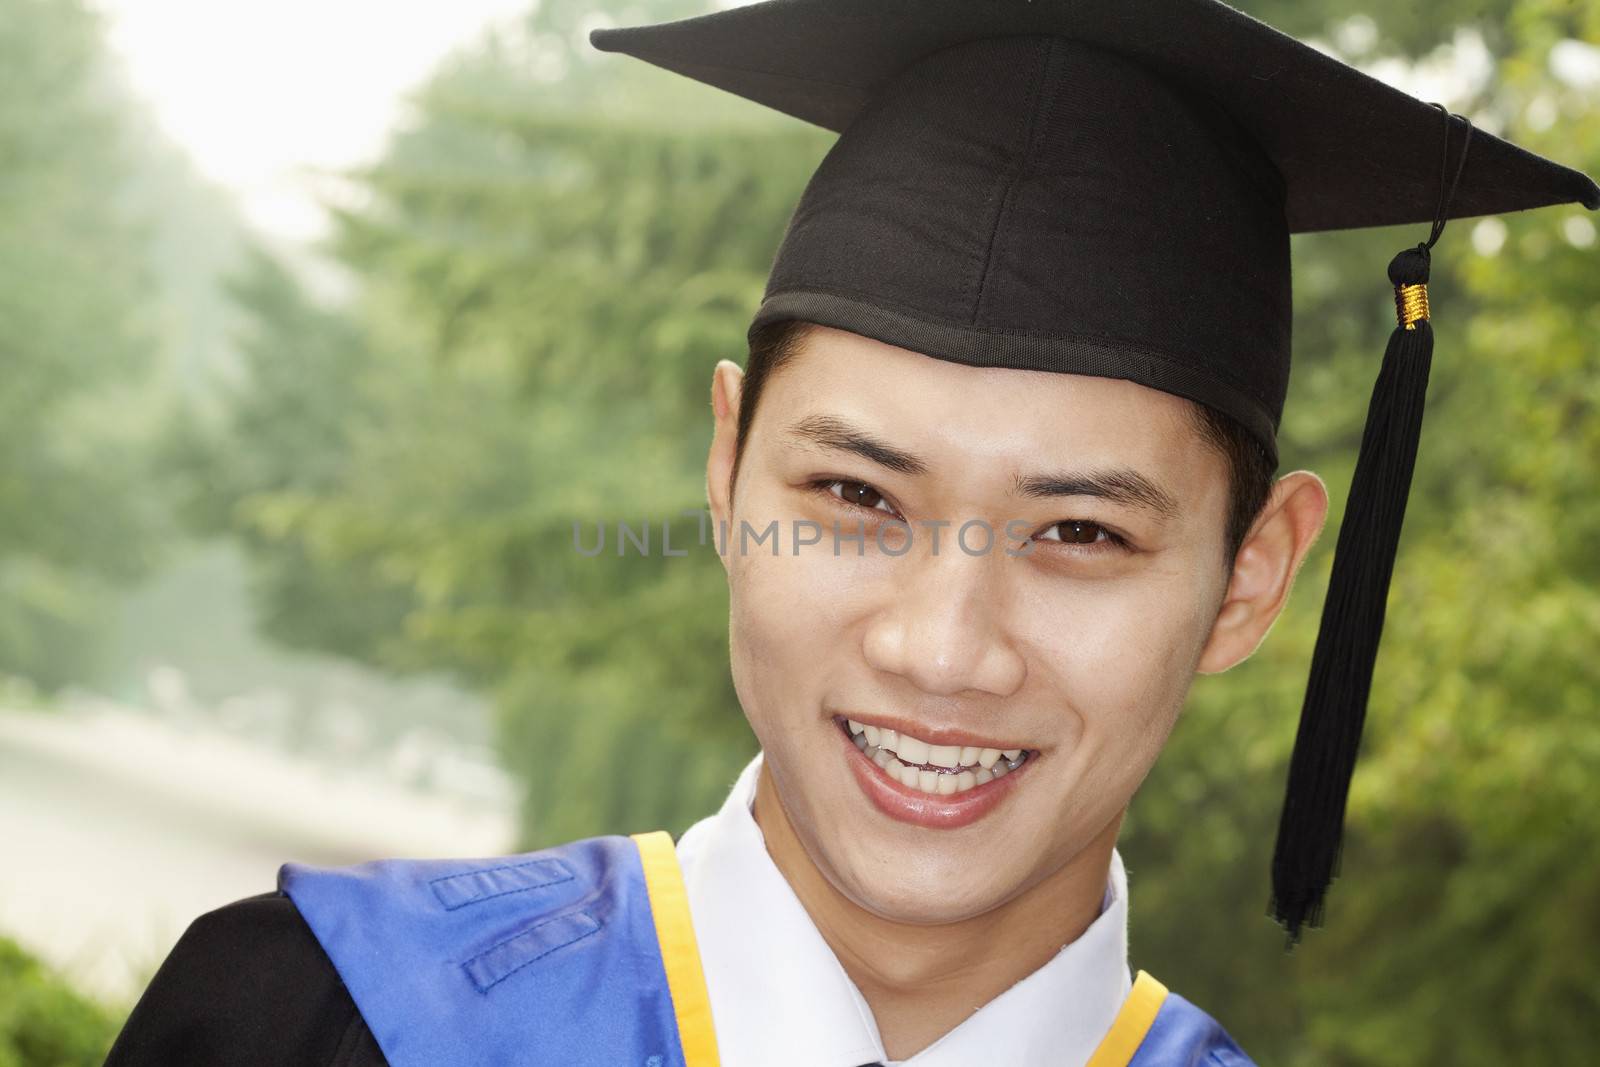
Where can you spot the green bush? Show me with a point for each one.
(43, 1022)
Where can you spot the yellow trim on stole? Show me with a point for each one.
(680, 958)
(1131, 1024)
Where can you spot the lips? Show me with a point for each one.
(953, 792)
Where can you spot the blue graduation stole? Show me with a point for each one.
(578, 954)
(582, 954)
(1158, 1028)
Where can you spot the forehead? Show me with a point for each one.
(991, 414)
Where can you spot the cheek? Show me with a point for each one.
(758, 640)
(790, 624)
(1122, 654)
(804, 594)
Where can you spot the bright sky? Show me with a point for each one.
(263, 93)
(258, 92)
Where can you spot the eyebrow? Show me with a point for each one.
(1118, 485)
(827, 431)
(1121, 486)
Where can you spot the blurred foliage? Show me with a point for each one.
(551, 255)
(1466, 928)
(79, 334)
(542, 295)
(42, 1022)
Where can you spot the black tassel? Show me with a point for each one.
(1310, 829)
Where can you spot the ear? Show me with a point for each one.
(726, 382)
(1265, 568)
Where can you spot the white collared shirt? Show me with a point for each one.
(780, 998)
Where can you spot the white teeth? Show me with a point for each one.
(912, 750)
(936, 783)
(900, 755)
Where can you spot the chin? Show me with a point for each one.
(924, 889)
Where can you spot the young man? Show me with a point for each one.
(995, 484)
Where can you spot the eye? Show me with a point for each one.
(1080, 532)
(856, 494)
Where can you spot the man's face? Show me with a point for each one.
(1079, 652)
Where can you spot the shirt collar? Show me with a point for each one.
(780, 998)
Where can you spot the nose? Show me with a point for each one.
(944, 631)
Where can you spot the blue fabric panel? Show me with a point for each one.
(500, 962)
(1184, 1036)
(547, 957)
(459, 890)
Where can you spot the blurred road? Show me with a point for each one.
(118, 828)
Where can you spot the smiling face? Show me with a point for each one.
(1078, 651)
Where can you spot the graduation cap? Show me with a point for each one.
(1107, 187)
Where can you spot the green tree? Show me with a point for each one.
(76, 336)
(541, 283)
(1465, 927)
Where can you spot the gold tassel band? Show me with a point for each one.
(1410, 304)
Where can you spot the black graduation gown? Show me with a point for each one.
(247, 986)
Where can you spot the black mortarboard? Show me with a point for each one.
(1107, 187)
